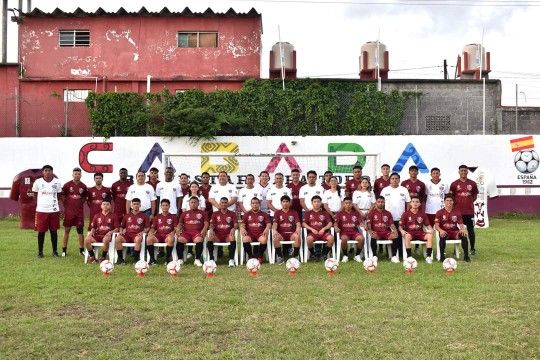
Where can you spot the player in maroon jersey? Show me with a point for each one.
(162, 231)
(415, 186)
(192, 227)
(352, 184)
(223, 225)
(383, 181)
(205, 191)
(134, 226)
(286, 227)
(295, 185)
(449, 224)
(153, 177)
(255, 227)
(412, 225)
(21, 191)
(184, 184)
(318, 223)
(103, 226)
(465, 192)
(96, 194)
(326, 179)
(381, 226)
(74, 194)
(119, 190)
(347, 222)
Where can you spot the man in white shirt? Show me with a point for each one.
(276, 192)
(436, 189)
(46, 190)
(145, 193)
(170, 190)
(262, 188)
(223, 189)
(247, 193)
(308, 191)
(397, 199)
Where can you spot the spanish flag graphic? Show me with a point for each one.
(523, 143)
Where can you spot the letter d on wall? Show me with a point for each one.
(345, 147)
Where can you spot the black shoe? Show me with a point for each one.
(55, 254)
(473, 251)
(467, 259)
(120, 262)
(81, 252)
(40, 255)
(152, 262)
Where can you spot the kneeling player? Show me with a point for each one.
(381, 227)
(449, 224)
(134, 226)
(255, 228)
(412, 224)
(347, 223)
(223, 225)
(192, 227)
(102, 227)
(318, 224)
(286, 227)
(162, 231)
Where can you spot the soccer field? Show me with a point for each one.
(60, 308)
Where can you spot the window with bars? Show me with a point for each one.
(75, 95)
(438, 123)
(72, 38)
(197, 39)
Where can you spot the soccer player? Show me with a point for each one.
(465, 192)
(194, 191)
(295, 185)
(74, 194)
(318, 223)
(205, 191)
(170, 190)
(381, 227)
(449, 224)
(119, 189)
(255, 227)
(145, 193)
(134, 226)
(247, 193)
(223, 189)
(162, 230)
(347, 223)
(414, 186)
(436, 190)
(332, 197)
(153, 178)
(262, 188)
(96, 194)
(276, 192)
(352, 184)
(326, 180)
(397, 200)
(184, 184)
(383, 181)
(411, 226)
(103, 226)
(308, 191)
(192, 227)
(286, 227)
(46, 190)
(363, 198)
(223, 225)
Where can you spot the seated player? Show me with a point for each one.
(449, 224)
(134, 226)
(318, 223)
(255, 228)
(347, 223)
(192, 227)
(162, 230)
(102, 228)
(412, 224)
(286, 227)
(381, 227)
(223, 225)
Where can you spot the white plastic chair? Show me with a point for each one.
(419, 242)
(456, 243)
(267, 252)
(316, 242)
(352, 243)
(225, 245)
(125, 247)
(97, 248)
(285, 242)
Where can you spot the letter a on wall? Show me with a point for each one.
(155, 152)
(290, 160)
(410, 152)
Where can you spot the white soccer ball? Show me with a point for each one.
(292, 265)
(331, 265)
(173, 267)
(253, 265)
(526, 161)
(141, 267)
(449, 264)
(370, 265)
(106, 267)
(410, 264)
(209, 267)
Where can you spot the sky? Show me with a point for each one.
(419, 34)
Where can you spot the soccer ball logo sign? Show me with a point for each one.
(526, 161)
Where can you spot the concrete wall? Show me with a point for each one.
(528, 120)
(8, 98)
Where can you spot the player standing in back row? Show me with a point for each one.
(96, 194)
(465, 192)
(295, 185)
(352, 184)
(74, 194)
(119, 190)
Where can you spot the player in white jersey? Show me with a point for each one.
(263, 187)
(436, 189)
(308, 191)
(247, 193)
(332, 198)
(46, 189)
(145, 193)
(194, 191)
(223, 189)
(170, 190)
(276, 192)
(363, 198)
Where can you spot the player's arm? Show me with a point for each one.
(307, 227)
(438, 228)
(213, 201)
(267, 228)
(298, 228)
(242, 208)
(204, 230)
(327, 227)
(303, 204)
(275, 224)
(178, 199)
(243, 230)
(269, 203)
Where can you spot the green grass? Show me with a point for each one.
(60, 308)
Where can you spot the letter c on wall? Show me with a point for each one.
(93, 168)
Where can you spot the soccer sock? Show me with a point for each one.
(248, 249)
(136, 255)
(465, 246)
(279, 252)
(296, 251)
(374, 247)
(262, 249)
(54, 241)
(81, 250)
(169, 253)
(468, 220)
(327, 250)
(180, 250)
(429, 251)
(120, 254)
(151, 252)
(91, 253)
(358, 250)
(210, 246)
(105, 253)
(232, 249)
(311, 251)
(442, 246)
(64, 249)
(409, 252)
(199, 250)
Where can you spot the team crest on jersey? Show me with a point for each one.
(469, 187)
(169, 221)
(402, 194)
(291, 218)
(104, 195)
(54, 186)
(118, 188)
(321, 217)
(159, 221)
(418, 189)
(385, 218)
(228, 219)
(71, 189)
(354, 218)
(444, 217)
(454, 218)
(410, 218)
(99, 220)
(419, 220)
(199, 216)
(249, 217)
(80, 190)
(139, 221)
(261, 218)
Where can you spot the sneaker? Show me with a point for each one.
(394, 259)
(181, 262)
(375, 258)
(467, 259)
(55, 254)
(189, 255)
(290, 251)
(64, 253)
(231, 263)
(102, 259)
(345, 258)
(473, 252)
(91, 260)
(279, 260)
(120, 262)
(429, 260)
(442, 258)
(81, 252)
(358, 258)
(197, 263)
(152, 262)
(40, 255)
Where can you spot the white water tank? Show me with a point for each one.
(287, 51)
(475, 54)
(371, 49)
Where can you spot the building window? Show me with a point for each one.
(438, 123)
(197, 39)
(75, 95)
(72, 38)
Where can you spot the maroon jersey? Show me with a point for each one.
(256, 222)
(193, 220)
(465, 193)
(223, 221)
(351, 185)
(286, 221)
(317, 219)
(205, 192)
(415, 188)
(448, 221)
(185, 190)
(21, 191)
(103, 223)
(381, 221)
(135, 223)
(348, 222)
(325, 186)
(412, 222)
(74, 195)
(380, 184)
(95, 198)
(295, 191)
(119, 190)
(164, 224)
(153, 184)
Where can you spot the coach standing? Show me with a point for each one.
(144, 192)
(465, 192)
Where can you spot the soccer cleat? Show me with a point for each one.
(189, 255)
(231, 263)
(101, 259)
(394, 259)
(358, 258)
(55, 254)
(467, 259)
(473, 252)
(197, 263)
(152, 262)
(181, 262)
(344, 259)
(81, 252)
(429, 260)
(64, 253)
(120, 262)
(40, 255)
(91, 260)
(279, 260)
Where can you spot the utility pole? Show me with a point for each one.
(516, 108)
(445, 67)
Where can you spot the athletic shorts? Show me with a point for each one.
(453, 235)
(431, 218)
(383, 235)
(352, 235)
(161, 238)
(130, 237)
(286, 236)
(221, 236)
(190, 235)
(47, 221)
(417, 235)
(254, 236)
(98, 238)
(317, 237)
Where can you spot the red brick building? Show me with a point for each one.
(64, 55)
